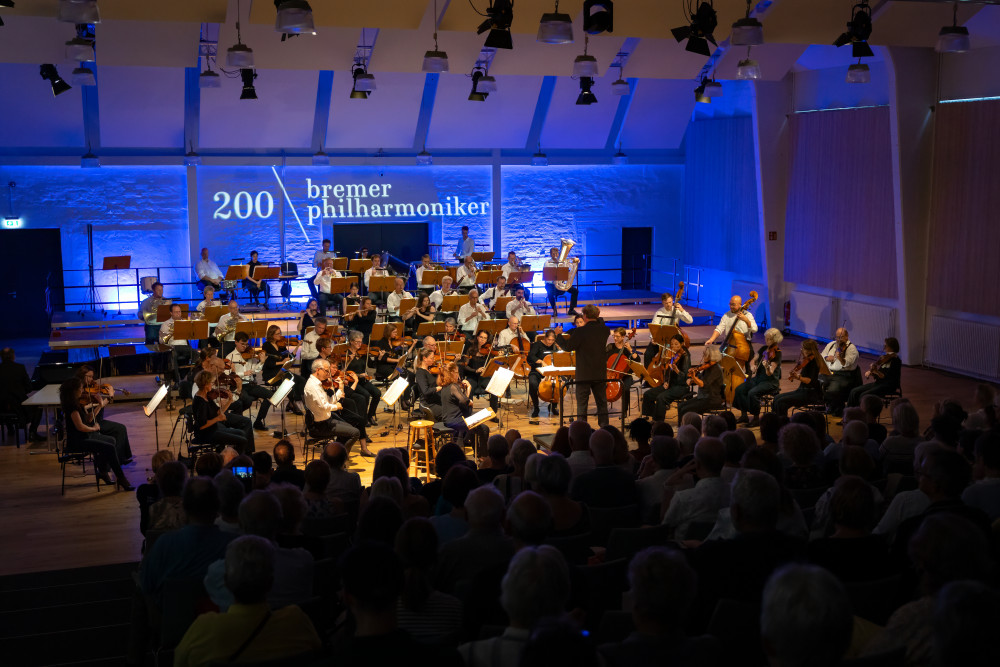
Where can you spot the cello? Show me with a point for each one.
(738, 347)
(617, 369)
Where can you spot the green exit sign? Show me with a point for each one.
(11, 223)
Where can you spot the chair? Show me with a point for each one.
(74, 457)
(627, 542)
(767, 399)
(420, 447)
(887, 400)
(605, 519)
(289, 272)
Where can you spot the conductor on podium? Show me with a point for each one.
(589, 342)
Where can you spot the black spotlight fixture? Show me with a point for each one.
(249, 92)
(698, 32)
(478, 95)
(598, 16)
(50, 74)
(501, 15)
(859, 29)
(586, 96)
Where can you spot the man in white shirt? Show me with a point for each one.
(322, 281)
(519, 306)
(180, 351)
(466, 246)
(841, 357)
(466, 274)
(248, 370)
(375, 270)
(325, 423)
(550, 285)
(710, 494)
(208, 271)
(319, 257)
(209, 300)
(666, 314)
(510, 333)
(148, 309)
(492, 294)
(511, 264)
(742, 322)
(471, 314)
(392, 301)
(309, 351)
(437, 297)
(227, 326)
(425, 265)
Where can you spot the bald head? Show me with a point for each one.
(710, 456)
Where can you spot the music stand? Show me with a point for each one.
(454, 347)
(190, 330)
(492, 327)
(555, 273)
(487, 277)
(500, 379)
(536, 322)
(381, 285)
(568, 374)
(425, 329)
(163, 311)
(405, 305)
(116, 264)
(359, 266)
(340, 263)
(661, 333)
(485, 256)
(378, 330)
(434, 277)
(452, 302)
(263, 274)
(150, 409)
(500, 303)
(520, 277)
(279, 396)
(391, 397)
(213, 313)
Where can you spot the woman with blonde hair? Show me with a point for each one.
(766, 379)
(807, 371)
(456, 404)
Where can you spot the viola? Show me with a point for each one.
(796, 371)
(617, 369)
(695, 370)
(104, 390)
(219, 392)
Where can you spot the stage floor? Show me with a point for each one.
(42, 530)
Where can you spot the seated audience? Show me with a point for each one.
(984, 493)
(985, 415)
(285, 471)
(641, 431)
(344, 485)
(430, 616)
(770, 425)
(263, 468)
(167, 513)
(713, 426)
(580, 459)
(654, 472)
(380, 520)
(909, 503)
(851, 552)
(553, 478)
(231, 492)
(735, 447)
(701, 503)
(250, 631)
(458, 483)
(560, 442)
(529, 520)
(607, 485)
(483, 547)
(208, 464)
(317, 476)
(855, 462)
(495, 463)
(512, 483)
(149, 493)
(896, 451)
(800, 445)
(447, 455)
(966, 614)
(872, 406)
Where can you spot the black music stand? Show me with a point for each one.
(116, 264)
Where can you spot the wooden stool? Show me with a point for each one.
(421, 429)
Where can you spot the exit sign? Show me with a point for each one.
(11, 223)
(772, 236)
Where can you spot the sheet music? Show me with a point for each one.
(477, 418)
(500, 381)
(554, 369)
(395, 390)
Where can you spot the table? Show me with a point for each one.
(45, 398)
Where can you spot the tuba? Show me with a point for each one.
(564, 250)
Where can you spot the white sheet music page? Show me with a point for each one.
(500, 381)
(477, 418)
(394, 391)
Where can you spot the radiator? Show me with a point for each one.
(963, 346)
(813, 314)
(868, 324)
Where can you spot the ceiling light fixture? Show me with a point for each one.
(294, 17)
(619, 158)
(83, 76)
(585, 65)
(478, 95)
(620, 86)
(698, 32)
(249, 91)
(320, 159)
(500, 15)
(79, 11)
(598, 16)
(209, 79)
(586, 96)
(859, 29)
(748, 31)
(748, 69)
(539, 159)
(51, 74)
(712, 88)
(90, 160)
(81, 47)
(555, 28)
(953, 38)
(859, 73)
(192, 158)
(425, 159)
(699, 93)
(364, 83)
(239, 54)
(435, 61)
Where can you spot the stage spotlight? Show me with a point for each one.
(585, 66)
(51, 74)
(699, 94)
(953, 38)
(586, 96)
(435, 61)
(859, 73)
(294, 17)
(598, 16)
(89, 160)
(192, 158)
(748, 69)
(539, 159)
(424, 159)
(501, 15)
(320, 159)
(239, 55)
(712, 88)
(80, 49)
(83, 76)
(698, 32)
(249, 91)
(209, 79)
(79, 11)
(555, 28)
(478, 95)
(619, 158)
(859, 29)
(747, 31)
(364, 83)
(620, 87)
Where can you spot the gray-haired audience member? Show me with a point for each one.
(702, 503)
(483, 547)
(529, 520)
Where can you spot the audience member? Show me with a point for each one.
(568, 516)
(984, 493)
(855, 434)
(855, 462)
(459, 481)
(529, 520)
(208, 464)
(318, 506)
(851, 552)
(263, 467)
(227, 455)
(512, 483)
(430, 616)
(654, 472)
(735, 446)
(344, 485)
(687, 437)
(805, 618)
(285, 471)
(985, 415)
(484, 546)
(771, 424)
(689, 419)
(607, 485)
(250, 631)
(580, 459)
(619, 451)
(713, 426)
(897, 449)
(664, 428)
(149, 493)
(701, 503)
(384, 487)
(168, 513)
(495, 462)
(447, 455)
(799, 444)
(560, 441)
(640, 430)
(909, 503)
(558, 640)
(966, 614)
(872, 406)
(231, 492)
(379, 521)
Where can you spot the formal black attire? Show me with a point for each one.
(881, 386)
(747, 395)
(611, 351)
(589, 343)
(384, 368)
(272, 366)
(537, 353)
(427, 393)
(363, 323)
(119, 432)
(307, 321)
(15, 385)
(470, 371)
(709, 396)
(805, 394)
(252, 288)
(455, 405)
(101, 446)
(655, 401)
(217, 434)
(359, 365)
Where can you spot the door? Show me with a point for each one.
(637, 250)
(32, 259)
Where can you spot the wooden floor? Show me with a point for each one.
(42, 530)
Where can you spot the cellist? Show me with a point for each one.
(677, 361)
(741, 322)
(709, 380)
(620, 345)
(541, 348)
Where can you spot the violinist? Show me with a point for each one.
(362, 320)
(466, 274)
(102, 395)
(324, 414)
(392, 302)
(83, 435)
(322, 282)
(456, 404)
(308, 317)
(391, 352)
(519, 306)
(437, 297)
(211, 421)
(355, 404)
(541, 348)
(309, 351)
(451, 332)
(428, 391)
(275, 356)
(710, 382)
(841, 355)
(510, 334)
(475, 362)
(885, 371)
(676, 363)
(620, 344)
(740, 321)
(254, 287)
(807, 371)
(765, 380)
(471, 314)
(357, 362)
(247, 364)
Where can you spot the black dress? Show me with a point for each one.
(427, 393)
(470, 371)
(218, 434)
(455, 406)
(709, 396)
(656, 400)
(805, 394)
(101, 446)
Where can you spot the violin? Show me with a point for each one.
(878, 365)
(104, 390)
(695, 370)
(219, 392)
(796, 372)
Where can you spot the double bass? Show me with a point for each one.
(656, 368)
(738, 346)
(617, 369)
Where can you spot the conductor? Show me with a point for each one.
(588, 341)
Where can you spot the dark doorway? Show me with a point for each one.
(405, 241)
(32, 260)
(637, 251)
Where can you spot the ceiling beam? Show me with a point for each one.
(91, 115)
(541, 112)
(192, 109)
(321, 119)
(426, 110)
(624, 104)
